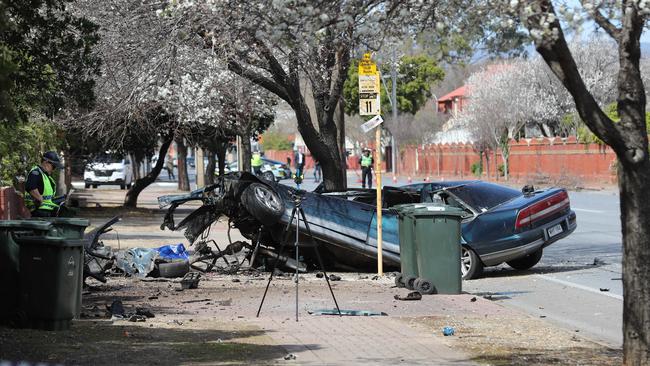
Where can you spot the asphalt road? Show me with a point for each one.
(577, 284)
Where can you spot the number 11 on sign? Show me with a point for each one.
(369, 106)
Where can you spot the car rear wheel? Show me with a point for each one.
(94, 185)
(526, 262)
(87, 185)
(263, 203)
(470, 264)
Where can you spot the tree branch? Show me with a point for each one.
(603, 22)
(260, 80)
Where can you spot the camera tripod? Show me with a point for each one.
(296, 214)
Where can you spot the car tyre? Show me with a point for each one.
(527, 261)
(87, 185)
(95, 186)
(268, 175)
(129, 185)
(122, 186)
(425, 287)
(263, 203)
(471, 266)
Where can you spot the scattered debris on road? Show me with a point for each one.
(410, 297)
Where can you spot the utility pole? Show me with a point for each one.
(393, 98)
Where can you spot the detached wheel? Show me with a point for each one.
(268, 175)
(471, 266)
(263, 203)
(526, 262)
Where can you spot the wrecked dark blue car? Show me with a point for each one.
(500, 224)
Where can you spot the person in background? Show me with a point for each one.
(300, 162)
(169, 165)
(366, 161)
(41, 187)
(256, 163)
(318, 174)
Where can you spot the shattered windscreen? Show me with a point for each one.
(482, 196)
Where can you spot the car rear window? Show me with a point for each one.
(482, 196)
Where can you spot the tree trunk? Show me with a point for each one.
(505, 154)
(487, 163)
(131, 199)
(69, 160)
(183, 177)
(340, 125)
(210, 168)
(245, 166)
(221, 157)
(635, 218)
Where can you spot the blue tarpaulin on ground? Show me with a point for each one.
(173, 251)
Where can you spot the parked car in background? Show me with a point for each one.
(500, 224)
(272, 170)
(108, 169)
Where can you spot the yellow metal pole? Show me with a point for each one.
(380, 262)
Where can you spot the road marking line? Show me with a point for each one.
(581, 287)
(586, 210)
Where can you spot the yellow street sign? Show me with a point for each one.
(367, 66)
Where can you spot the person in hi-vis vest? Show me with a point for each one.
(366, 161)
(40, 187)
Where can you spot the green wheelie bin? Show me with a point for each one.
(437, 238)
(10, 262)
(407, 255)
(69, 228)
(49, 280)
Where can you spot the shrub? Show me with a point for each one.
(477, 169)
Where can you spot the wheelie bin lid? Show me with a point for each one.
(25, 225)
(406, 208)
(436, 211)
(49, 241)
(73, 221)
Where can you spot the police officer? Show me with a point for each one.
(256, 163)
(40, 187)
(366, 161)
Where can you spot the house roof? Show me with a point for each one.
(460, 92)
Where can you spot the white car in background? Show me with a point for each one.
(109, 170)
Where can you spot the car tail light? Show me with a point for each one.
(542, 209)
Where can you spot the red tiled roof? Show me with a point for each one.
(460, 92)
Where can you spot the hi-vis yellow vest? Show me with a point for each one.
(49, 189)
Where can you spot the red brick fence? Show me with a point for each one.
(531, 160)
